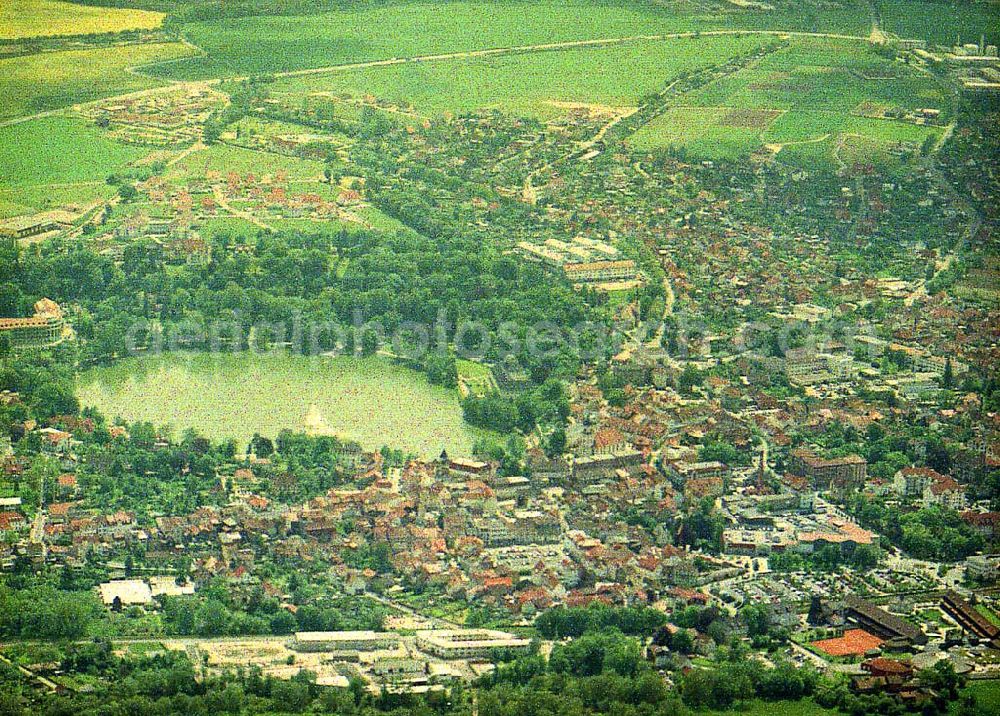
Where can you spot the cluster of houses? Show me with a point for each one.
(166, 119)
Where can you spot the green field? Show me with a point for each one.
(530, 84)
(29, 199)
(808, 97)
(57, 150)
(52, 80)
(941, 21)
(478, 378)
(225, 158)
(370, 400)
(39, 18)
(805, 707)
(835, 75)
(268, 44)
(987, 695)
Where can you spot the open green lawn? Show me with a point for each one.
(231, 225)
(531, 84)
(703, 131)
(29, 199)
(59, 150)
(987, 695)
(226, 158)
(477, 377)
(323, 227)
(266, 44)
(370, 400)
(52, 80)
(38, 18)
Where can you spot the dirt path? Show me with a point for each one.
(170, 85)
(223, 202)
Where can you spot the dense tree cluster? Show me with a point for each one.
(562, 622)
(931, 533)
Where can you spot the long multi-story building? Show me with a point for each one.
(345, 641)
(600, 271)
(521, 527)
(46, 328)
(968, 617)
(469, 643)
(839, 472)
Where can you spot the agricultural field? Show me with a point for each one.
(537, 84)
(833, 75)
(46, 18)
(425, 28)
(15, 201)
(816, 100)
(941, 21)
(53, 80)
(226, 158)
(371, 400)
(61, 151)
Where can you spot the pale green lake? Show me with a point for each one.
(370, 400)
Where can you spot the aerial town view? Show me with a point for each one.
(500, 357)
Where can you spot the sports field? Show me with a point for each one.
(537, 84)
(52, 80)
(46, 18)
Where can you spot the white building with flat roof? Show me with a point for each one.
(129, 592)
(468, 643)
(345, 641)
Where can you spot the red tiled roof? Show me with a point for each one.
(853, 642)
(10, 519)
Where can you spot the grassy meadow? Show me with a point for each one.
(18, 200)
(941, 21)
(52, 80)
(243, 46)
(59, 150)
(45, 18)
(225, 158)
(371, 400)
(529, 84)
